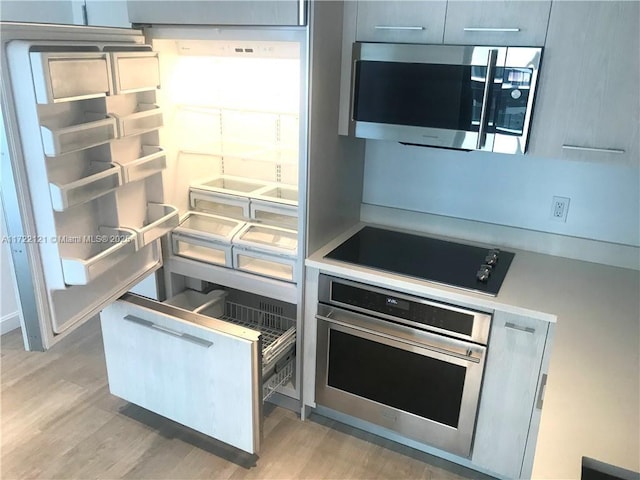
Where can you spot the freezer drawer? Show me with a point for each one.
(209, 374)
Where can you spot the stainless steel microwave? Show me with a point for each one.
(451, 96)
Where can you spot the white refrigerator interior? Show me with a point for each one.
(181, 150)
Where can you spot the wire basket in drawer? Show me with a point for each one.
(278, 332)
(277, 380)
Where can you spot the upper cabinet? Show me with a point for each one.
(218, 12)
(587, 105)
(478, 22)
(506, 22)
(401, 21)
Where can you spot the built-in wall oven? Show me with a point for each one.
(401, 362)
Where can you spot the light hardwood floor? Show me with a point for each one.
(59, 421)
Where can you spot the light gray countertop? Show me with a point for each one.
(592, 402)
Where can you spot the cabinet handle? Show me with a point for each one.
(513, 326)
(491, 68)
(543, 388)
(490, 29)
(393, 27)
(593, 149)
(184, 336)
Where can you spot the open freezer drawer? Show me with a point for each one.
(206, 373)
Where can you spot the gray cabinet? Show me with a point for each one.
(587, 104)
(400, 21)
(509, 23)
(218, 12)
(512, 393)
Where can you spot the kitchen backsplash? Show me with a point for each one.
(512, 191)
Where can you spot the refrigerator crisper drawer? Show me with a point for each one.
(203, 372)
(219, 203)
(265, 250)
(206, 238)
(67, 76)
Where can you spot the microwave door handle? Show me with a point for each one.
(484, 112)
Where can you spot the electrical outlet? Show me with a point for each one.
(559, 209)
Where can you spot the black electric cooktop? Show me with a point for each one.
(449, 263)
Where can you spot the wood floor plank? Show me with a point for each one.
(59, 421)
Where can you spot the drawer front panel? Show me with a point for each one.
(199, 376)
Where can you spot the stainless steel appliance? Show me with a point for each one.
(469, 267)
(463, 97)
(402, 362)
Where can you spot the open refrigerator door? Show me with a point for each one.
(76, 243)
(198, 147)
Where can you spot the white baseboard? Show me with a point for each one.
(9, 322)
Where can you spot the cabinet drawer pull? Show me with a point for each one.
(184, 336)
(543, 387)
(393, 27)
(513, 326)
(490, 29)
(593, 149)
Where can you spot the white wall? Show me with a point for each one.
(105, 13)
(511, 190)
(48, 11)
(9, 314)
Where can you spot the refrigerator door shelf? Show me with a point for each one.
(161, 218)
(95, 131)
(110, 246)
(102, 178)
(68, 76)
(152, 161)
(135, 71)
(215, 203)
(147, 117)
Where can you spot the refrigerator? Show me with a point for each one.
(175, 157)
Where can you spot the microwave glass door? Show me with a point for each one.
(419, 94)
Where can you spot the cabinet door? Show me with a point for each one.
(201, 372)
(511, 380)
(401, 21)
(509, 23)
(217, 12)
(587, 104)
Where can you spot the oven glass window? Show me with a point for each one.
(408, 381)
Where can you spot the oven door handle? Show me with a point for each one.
(466, 351)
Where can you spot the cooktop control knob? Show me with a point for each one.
(484, 273)
(492, 256)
